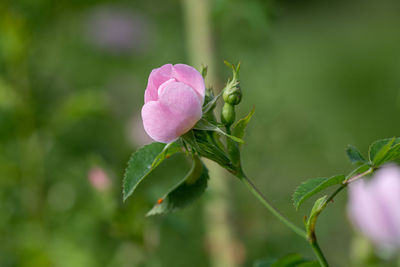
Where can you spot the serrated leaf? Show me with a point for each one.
(354, 155)
(142, 162)
(379, 149)
(393, 153)
(168, 151)
(205, 125)
(184, 193)
(313, 186)
(238, 129)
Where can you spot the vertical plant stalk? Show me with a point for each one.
(198, 34)
(220, 236)
(318, 253)
(199, 45)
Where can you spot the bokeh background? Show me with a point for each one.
(321, 74)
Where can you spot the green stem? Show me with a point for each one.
(318, 252)
(313, 241)
(311, 231)
(344, 185)
(356, 177)
(254, 190)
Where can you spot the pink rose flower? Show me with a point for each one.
(173, 102)
(374, 207)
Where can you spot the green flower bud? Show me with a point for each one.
(232, 95)
(228, 114)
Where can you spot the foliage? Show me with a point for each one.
(68, 104)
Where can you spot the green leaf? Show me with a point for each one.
(143, 161)
(393, 153)
(309, 264)
(168, 151)
(184, 193)
(239, 127)
(313, 186)
(290, 260)
(354, 155)
(378, 150)
(205, 125)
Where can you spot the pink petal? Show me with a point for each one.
(176, 112)
(190, 76)
(374, 206)
(182, 100)
(156, 78)
(386, 185)
(158, 122)
(365, 212)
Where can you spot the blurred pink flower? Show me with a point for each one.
(173, 101)
(117, 29)
(99, 179)
(374, 207)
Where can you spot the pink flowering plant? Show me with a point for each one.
(179, 114)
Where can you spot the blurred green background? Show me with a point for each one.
(72, 78)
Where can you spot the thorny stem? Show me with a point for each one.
(311, 226)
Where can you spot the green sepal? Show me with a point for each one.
(313, 186)
(185, 192)
(204, 70)
(204, 125)
(238, 129)
(144, 161)
(210, 105)
(198, 142)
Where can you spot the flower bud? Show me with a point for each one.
(173, 102)
(228, 114)
(232, 95)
